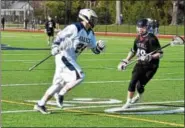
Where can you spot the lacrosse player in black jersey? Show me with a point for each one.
(146, 65)
(50, 26)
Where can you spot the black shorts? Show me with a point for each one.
(143, 73)
(50, 33)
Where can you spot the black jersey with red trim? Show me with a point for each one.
(146, 44)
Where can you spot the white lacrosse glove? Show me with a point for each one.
(54, 50)
(100, 45)
(146, 58)
(122, 65)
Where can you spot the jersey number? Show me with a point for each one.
(141, 52)
(80, 48)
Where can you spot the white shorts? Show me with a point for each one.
(66, 70)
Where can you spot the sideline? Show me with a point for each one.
(97, 33)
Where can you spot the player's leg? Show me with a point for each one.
(56, 85)
(3, 25)
(136, 73)
(149, 73)
(48, 37)
(59, 100)
(140, 91)
(52, 37)
(40, 106)
(72, 75)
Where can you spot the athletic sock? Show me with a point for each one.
(63, 91)
(42, 102)
(129, 100)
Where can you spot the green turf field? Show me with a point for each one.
(103, 88)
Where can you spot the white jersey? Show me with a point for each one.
(75, 38)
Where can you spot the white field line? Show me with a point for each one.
(23, 111)
(106, 53)
(97, 106)
(93, 82)
(171, 59)
(67, 108)
(173, 73)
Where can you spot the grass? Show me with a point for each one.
(103, 82)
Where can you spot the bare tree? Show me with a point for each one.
(118, 11)
(174, 12)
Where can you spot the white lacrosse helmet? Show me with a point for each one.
(89, 16)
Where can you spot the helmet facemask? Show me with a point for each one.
(93, 21)
(141, 30)
(142, 27)
(89, 16)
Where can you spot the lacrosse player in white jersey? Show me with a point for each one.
(67, 46)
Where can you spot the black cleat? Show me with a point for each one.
(41, 109)
(59, 100)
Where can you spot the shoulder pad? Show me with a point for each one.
(79, 26)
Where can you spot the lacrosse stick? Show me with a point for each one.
(177, 40)
(67, 43)
(34, 66)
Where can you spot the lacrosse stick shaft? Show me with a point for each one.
(34, 66)
(160, 48)
(132, 62)
(151, 53)
(178, 39)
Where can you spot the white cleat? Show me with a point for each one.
(41, 109)
(136, 99)
(127, 105)
(59, 100)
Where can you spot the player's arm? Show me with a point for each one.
(132, 52)
(156, 45)
(96, 46)
(100, 46)
(66, 33)
(124, 62)
(63, 39)
(130, 55)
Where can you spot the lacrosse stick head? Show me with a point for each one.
(177, 40)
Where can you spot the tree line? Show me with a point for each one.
(167, 12)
